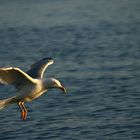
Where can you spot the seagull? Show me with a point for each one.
(29, 85)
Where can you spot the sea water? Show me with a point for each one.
(96, 50)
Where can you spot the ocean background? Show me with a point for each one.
(95, 45)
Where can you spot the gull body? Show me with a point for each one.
(30, 85)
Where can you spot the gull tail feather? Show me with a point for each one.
(6, 102)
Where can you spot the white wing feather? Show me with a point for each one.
(14, 76)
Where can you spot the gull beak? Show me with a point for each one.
(63, 89)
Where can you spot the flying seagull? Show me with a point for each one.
(30, 85)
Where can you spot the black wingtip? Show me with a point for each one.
(47, 58)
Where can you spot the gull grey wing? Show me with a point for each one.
(14, 76)
(38, 68)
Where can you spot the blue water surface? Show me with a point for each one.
(96, 49)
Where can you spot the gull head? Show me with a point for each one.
(54, 83)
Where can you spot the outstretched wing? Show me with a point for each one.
(38, 68)
(15, 76)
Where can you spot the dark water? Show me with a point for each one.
(96, 48)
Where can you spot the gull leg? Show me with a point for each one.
(23, 110)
